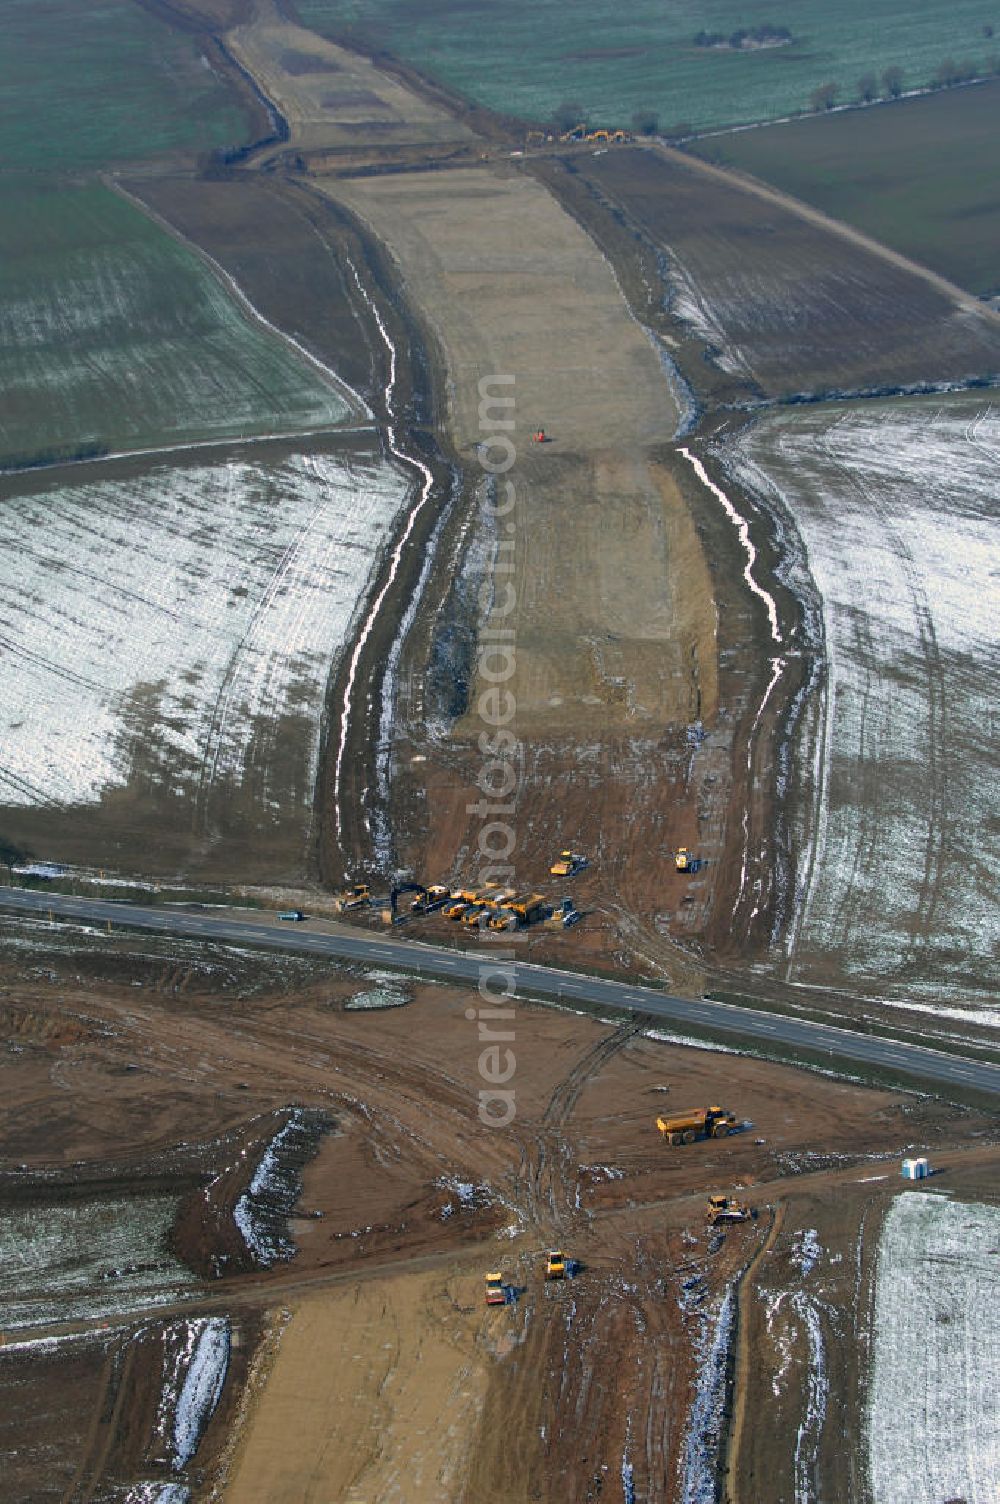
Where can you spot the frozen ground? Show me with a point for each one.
(699, 1459)
(934, 1395)
(180, 619)
(194, 1381)
(890, 514)
(114, 336)
(86, 1258)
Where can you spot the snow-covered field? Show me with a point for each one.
(177, 621)
(934, 1392)
(892, 510)
(84, 1259)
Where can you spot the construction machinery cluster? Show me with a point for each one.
(719, 1211)
(487, 906)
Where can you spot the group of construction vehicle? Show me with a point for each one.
(608, 137)
(557, 1266)
(488, 906)
(679, 1128)
(719, 1210)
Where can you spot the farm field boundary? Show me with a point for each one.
(906, 175)
(613, 63)
(759, 298)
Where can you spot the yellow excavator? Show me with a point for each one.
(727, 1209)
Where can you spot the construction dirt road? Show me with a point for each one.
(369, 1366)
(582, 554)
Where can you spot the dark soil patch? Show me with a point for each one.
(790, 310)
(298, 63)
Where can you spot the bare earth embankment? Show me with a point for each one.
(613, 619)
(335, 100)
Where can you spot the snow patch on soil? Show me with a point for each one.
(391, 991)
(207, 1362)
(157, 1493)
(934, 1391)
(700, 1452)
(807, 1251)
(179, 615)
(468, 1195)
(817, 1391)
(82, 1260)
(261, 1213)
(897, 511)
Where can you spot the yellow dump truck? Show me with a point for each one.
(529, 909)
(568, 864)
(696, 1122)
(682, 860)
(492, 897)
(555, 1265)
(496, 1295)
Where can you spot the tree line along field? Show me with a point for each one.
(114, 335)
(920, 176)
(86, 85)
(614, 62)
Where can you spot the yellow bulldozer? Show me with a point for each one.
(555, 1264)
(355, 897)
(727, 1209)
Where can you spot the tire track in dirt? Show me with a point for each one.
(116, 1389)
(544, 1164)
(731, 1446)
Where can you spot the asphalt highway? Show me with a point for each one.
(319, 938)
